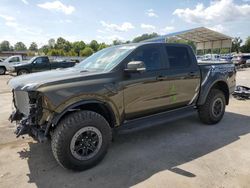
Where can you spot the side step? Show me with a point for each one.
(157, 119)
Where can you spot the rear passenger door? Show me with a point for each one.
(182, 74)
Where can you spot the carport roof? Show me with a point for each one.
(197, 35)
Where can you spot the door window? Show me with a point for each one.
(14, 59)
(151, 56)
(41, 60)
(38, 61)
(178, 57)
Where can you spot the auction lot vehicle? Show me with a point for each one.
(118, 88)
(39, 63)
(7, 64)
(248, 63)
(240, 60)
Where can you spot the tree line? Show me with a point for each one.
(63, 47)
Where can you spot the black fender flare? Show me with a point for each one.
(203, 95)
(56, 118)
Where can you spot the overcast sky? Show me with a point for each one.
(107, 20)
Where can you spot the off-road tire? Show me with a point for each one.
(206, 110)
(2, 70)
(65, 131)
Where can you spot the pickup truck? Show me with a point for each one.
(7, 64)
(38, 64)
(120, 88)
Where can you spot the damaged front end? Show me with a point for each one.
(28, 113)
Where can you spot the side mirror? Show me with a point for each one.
(136, 66)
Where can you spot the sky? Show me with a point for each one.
(105, 21)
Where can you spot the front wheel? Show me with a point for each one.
(214, 108)
(22, 72)
(81, 140)
(2, 70)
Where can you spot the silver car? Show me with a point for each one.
(248, 63)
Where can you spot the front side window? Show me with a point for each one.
(151, 56)
(178, 57)
(39, 61)
(14, 59)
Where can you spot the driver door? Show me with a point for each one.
(145, 93)
(41, 64)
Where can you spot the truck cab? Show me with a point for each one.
(7, 64)
(118, 88)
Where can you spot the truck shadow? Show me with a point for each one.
(134, 157)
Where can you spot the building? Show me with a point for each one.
(11, 53)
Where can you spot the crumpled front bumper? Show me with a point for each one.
(26, 116)
(25, 126)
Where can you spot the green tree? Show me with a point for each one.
(102, 46)
(19, 46)
(94, 45)
(33, 47)
(72, 53)
(56, 52)
(246, 47)
(78, 46)
(117, 42)
(86, 52)
(62, 44)
(5, 46)
(44, 49)
(236, 44)
(51, 43)
(145, 37)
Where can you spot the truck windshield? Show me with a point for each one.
(32, 59)
(106, 59)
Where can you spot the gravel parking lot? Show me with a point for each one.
(184, 153)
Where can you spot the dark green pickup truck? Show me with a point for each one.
(38, 64)
(118, 88)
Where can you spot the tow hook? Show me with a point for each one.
(22, 128)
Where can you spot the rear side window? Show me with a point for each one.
(41, 60)
(150, 55)
(246, 57)
(178, 57)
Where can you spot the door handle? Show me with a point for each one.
(161, 78)
(192, 74)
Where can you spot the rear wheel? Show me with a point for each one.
(22, 72)
(81, 140)
(2, 70)
(214, 108)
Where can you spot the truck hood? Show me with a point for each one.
(35, 80)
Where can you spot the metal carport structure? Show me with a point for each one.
(203, 38)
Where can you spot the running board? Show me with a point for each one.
(156, 119)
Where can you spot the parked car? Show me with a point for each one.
(211, 57)
(1, 60)
(240, 60)
(38, 64)
(118, 88)
(248, 63)
(7, 64)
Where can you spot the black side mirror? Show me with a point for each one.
(136, 66)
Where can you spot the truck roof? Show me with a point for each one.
(144, 43)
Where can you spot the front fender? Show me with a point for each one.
(73, 103)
